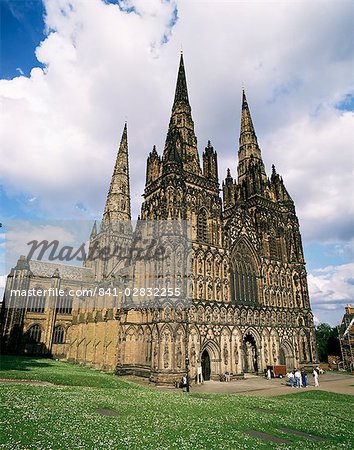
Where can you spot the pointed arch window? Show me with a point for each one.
(65, 303)
(36, 303)
(202, 226)
(34, 333)
(244, 276)
(273, 247)
(58, 335)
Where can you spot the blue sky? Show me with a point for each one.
(22, 29)
(102, 63)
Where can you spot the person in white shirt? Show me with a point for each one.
(298, 378)
(199, 374)
(315, 378)
(291, 378)
(184, 383)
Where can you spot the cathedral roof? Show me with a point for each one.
(67, 272)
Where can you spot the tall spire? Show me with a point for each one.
(250, 164)
(247, 133)
(181, 93)
(181, 142)
(118, 200)
(93, 231)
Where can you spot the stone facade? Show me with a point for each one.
(246, 279)
(346, 338)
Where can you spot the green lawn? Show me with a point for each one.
(64, 416)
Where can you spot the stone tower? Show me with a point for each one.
(115, 232)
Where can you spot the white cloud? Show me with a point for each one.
(316, 320)
(20, 233)
(99, 69)
(26, 237)
(331, 288)
(2, 281)
(2, 286)
(315, 156)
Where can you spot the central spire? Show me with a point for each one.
(250, 163)
(181, 143)
(247, 133)
(181, 94)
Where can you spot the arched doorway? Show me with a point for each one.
(286, 355)
(206, 365)
(250, 354)
(282, 360)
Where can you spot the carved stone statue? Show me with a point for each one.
(193, 355)
(155, 355)
(226, 354)
(166, 355)
(179, 355)
(236, 354)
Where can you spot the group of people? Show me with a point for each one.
(299, 379)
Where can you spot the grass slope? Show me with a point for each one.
(64, 416)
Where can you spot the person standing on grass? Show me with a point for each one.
(184, 383)
(315, 378)
(304, 378)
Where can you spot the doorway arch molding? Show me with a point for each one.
(287, 355)
(252, 350)
(213, 350)
(254, 333)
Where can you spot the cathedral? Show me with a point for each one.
(234, 271)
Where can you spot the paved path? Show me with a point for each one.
(331, 382)
(253, 385)
(340, 383)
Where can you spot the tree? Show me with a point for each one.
(327, 341)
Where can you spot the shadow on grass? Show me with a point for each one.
(58, 372)
(23, 363)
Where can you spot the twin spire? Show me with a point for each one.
(118, 200)
(181, 142)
